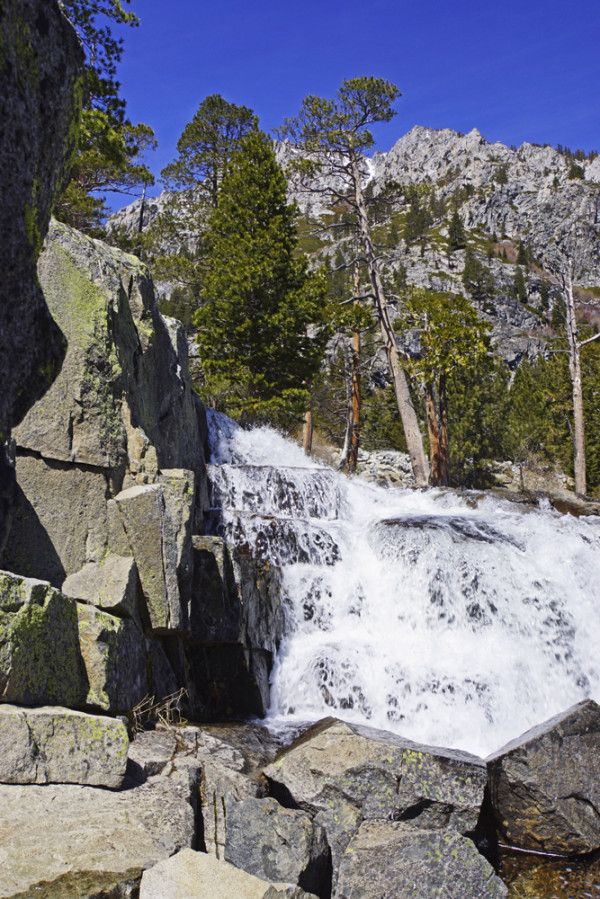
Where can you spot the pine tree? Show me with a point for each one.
(457, 237)
(261, 325)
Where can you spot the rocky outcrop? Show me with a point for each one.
(56, 745)
(344, 774)
(545, 786)
(40, 92)
(41, 71)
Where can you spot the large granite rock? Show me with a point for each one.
(56, 745)
(347, 774)
(114, 657)
(41, 70)
(277, 844)
(195, 875)
(158, 523)
(40, 661)
(88, 834)
(111, 584)
(381, 775)
(387, 858)
(121, 412)
(545, 785)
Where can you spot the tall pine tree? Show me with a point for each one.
(261, 325)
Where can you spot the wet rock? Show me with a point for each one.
(81, 830)
(545, 785)
(277, 844)
(55, 745)
(114, 657)
(40, 96)
(195, 874)
(381, 775)
(40, 661)
(236, 623)
(111, 584)
(386, 858)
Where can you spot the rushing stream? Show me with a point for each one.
(454, 619)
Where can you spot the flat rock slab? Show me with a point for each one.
(195, 875)
(545, 786)
(56, 745)
(50, 832)
(398, 860)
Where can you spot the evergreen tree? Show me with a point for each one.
(477, 279)
(457, 237)
(451, 337)
(261, 325)
(109, 156)
(206, 146)
(522, 255)
(519, 288)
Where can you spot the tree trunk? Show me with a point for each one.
(142, 210)
(355, 391)
(414, 439)
(575, 373)
(444, 442)
(434, 436)
(307, 432)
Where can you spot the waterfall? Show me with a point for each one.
(455, 619)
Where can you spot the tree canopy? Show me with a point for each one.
(110, 148)
(261, 325)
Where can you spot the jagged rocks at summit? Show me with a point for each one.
(545, 785)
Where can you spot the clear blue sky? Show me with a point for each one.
(520, 70)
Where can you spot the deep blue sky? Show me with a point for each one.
(517, 70)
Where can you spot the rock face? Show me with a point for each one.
(55, 745)
(194, 874)
(81, 830)
(386, 858)
(276, 844)
(40, 92)
(545, 786)
(41, 71)
(121, 411)
(40, 661)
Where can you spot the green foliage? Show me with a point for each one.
(343, 123)
(478, 280)
(418, 219)
(501, 175)
(522, 255)
(476, 411)
(450, 332)
(206, 146)
(457, 237)
(576, 171)
(519, 287)
(109, 156)
(259, 303)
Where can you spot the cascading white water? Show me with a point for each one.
(455, 620)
